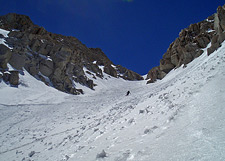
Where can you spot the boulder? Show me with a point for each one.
(101, 155)
(14, 78)
(6, 76)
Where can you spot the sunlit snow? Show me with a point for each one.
(178, 118)
(4, 33)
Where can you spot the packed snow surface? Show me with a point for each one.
(181, 117)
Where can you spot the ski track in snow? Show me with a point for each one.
(178, 118)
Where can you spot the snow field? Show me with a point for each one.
(178, 118)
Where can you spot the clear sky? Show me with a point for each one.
(132, 33)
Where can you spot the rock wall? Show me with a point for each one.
(190, 43)
(57, 60)
(219, 26)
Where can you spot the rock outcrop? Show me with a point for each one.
(5, 55)
(57, 60)
(219, 26)
(14, 78)
(11, 77)
(190, 43)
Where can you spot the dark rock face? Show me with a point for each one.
(190, 43)
(46, 67)
(11, 77)
(5, 55)
(155, 73)
(219, 26)
(14, 78)
(6, 76)
(1, 76)
(63, 60)
(127, 74)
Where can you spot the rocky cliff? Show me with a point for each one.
(190, 44)
(63, 61)
(59, 61)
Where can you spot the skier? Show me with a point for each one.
(128, 92)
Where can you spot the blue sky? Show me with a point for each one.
(132, 33)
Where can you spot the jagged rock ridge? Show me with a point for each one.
(190, 43)
(57, 60)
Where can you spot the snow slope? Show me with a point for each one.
(4, 33)
(178, 118)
